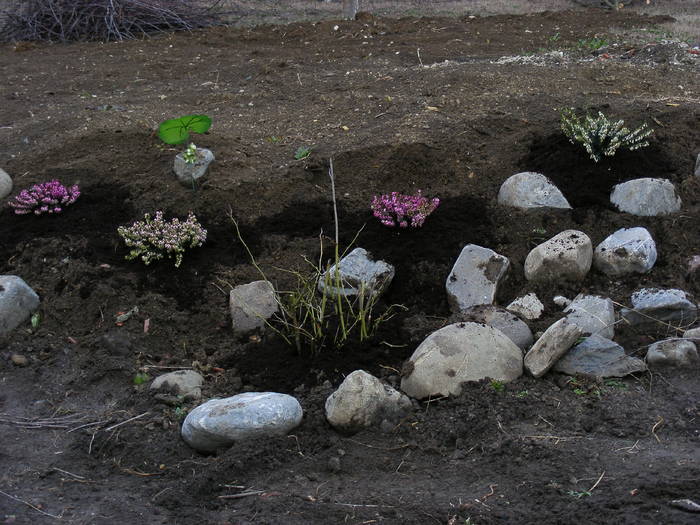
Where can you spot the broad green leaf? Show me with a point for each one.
(197, 123)
(177, 130)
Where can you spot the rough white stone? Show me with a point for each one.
(475, 277)
(251, 305)
(507, 322)
(650, 305)
(595, 315)
(185, 383)
(17, 302)
(527, 306)
(598, 357)
(646, 197)
(531, 190)
(562, 301)
(553, 344)
(363, 401)
(457, 353)
(358, 271)
(189, 173)
(680, 353)
(568, 256)
(629, 250)
(221, 422)
(5, 184)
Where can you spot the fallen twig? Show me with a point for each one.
(31, 506)
(596, 483)
(127, 421)
(243, 494)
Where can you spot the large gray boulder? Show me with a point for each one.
(252, 305)
(457, 353)
(628, 250)
(681, 353)
(5, 184)
(475, 277)
(651, 305)
(358, 273)
(221, 422)
(531, 190)
(17, 302)
(363, 401)
(553, 344)
(510, 324)
(646, 197)
(598, 357)
(566, 256)
(595, 315)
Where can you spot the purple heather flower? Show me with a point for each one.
(396, 208)
(47, 197)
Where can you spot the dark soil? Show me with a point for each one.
(535, 452)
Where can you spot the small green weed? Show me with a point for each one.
(498, 386)
(522, 394)
(578, 494)
(180, 412)
(615, 383)
(141, 378)
(555, 37)
(591, 44)
(301, 153)
(273, 139)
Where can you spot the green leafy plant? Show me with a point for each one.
(301, 153)
(141, 378)
(498, 386)
(600, 136)
(522, 394)
(190, 154)
(591, 44)
(176, 131)
(578, 494)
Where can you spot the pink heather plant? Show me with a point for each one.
(397, 208)
(154, 238)
(47, 197)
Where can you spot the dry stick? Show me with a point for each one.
(31, 506)
(596, 483)
(243, 494)
(668, 325)
(657, 425)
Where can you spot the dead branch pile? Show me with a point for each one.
(104, 20)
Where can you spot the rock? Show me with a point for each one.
(697, 166)
(189, 173)
(17, 302)
(475, 277)
(568, 255)
(19, 360)
(693, 268)
(5, 184)
(561, 301)
(595, 315)
(457, 353)
(628, 250)
(687, 505)
(527, 306)
(508, 323)
(221, 422)
(651, 305)
(598, 357)
(681, 353)
(251, 305)
(646, 197)
(363, 401)
(358, 271)
(182, 383)
(553, 344)
(531, 190)
(693, 335)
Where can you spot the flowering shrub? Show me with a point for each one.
(397, 208)
(600, 136)
(155, 238)
(47, 197)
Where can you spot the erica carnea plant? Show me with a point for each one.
(601, 136)
(403, 210)
(47, 197)
(154, 238)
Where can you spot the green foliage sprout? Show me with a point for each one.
(601, 136)
(177, 130)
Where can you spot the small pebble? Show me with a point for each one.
(19, 360)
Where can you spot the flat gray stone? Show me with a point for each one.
(693, 335)
(527, 306)
(531, 190)
(475, 277)
(457, 353)
(363, 401)
(598, 357)
(650, 305)
(17, 302)
(358, 271)
(251, 305)
(5, 184)
(646, 197)
(553, 344)
(627, 251)
(566, 256)
(510, 324)
(181, 383)
(595, 315)
(190, 173)
(680, 353)
(222, 422)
